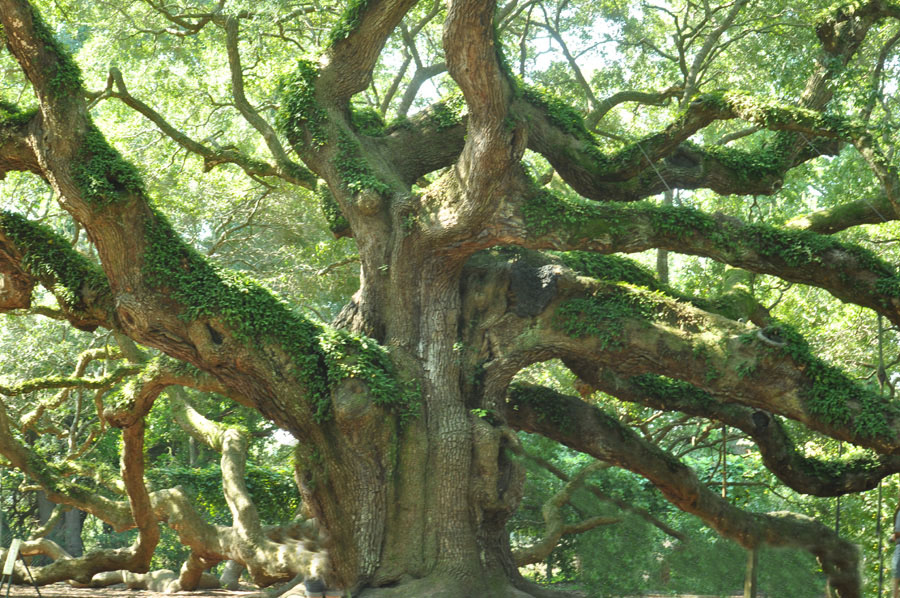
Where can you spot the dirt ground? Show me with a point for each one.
(61, 590)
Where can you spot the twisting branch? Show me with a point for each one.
(287, 171)
(285, 167)
(595, 433)
(555, 526)
(595, 326)
(808, 475)
(848, 272)
(356, 43)
(647, 98)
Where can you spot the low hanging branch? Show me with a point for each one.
(585, 428)
(555, 526)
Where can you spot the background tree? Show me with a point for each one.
(482, 222)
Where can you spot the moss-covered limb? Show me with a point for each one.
(600, 435)
(75, 156)
(427, 141)
(849, 272)
(558, 133)
(211, 157)
(808, 475)
(47, 65)
(56, 382)
(16, 155)
(33, 253)
(875, 210)
(356, 43)
(596, 326)
(242, 314)
(735, 303)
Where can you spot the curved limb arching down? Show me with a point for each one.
(270, 553)
(589, 430)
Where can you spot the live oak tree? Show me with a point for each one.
(485, 225)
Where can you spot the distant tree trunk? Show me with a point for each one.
(662, 256)
(750, 579)
(73, 524)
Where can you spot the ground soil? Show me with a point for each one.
(61, 590)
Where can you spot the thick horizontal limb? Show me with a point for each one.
(849, 272)
(874, 210)
(556, 132)
(33, 254)
(807, 475)
(596, 326)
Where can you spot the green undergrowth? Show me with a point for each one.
(49, 257)
(299, 107)
(829, 390)
(579, 219)
(255, 316)
(103, 176)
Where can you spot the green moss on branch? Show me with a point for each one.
(49, 258)
(356, 174)
(577, 219)
(299, 107)
(605, 314)
(545, 403)
(102, 174)
(321, 356)
(349, 21)
(337, 224)
(65, 78)
(830, 393)
(12, 116)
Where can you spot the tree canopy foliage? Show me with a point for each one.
(499, 269)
